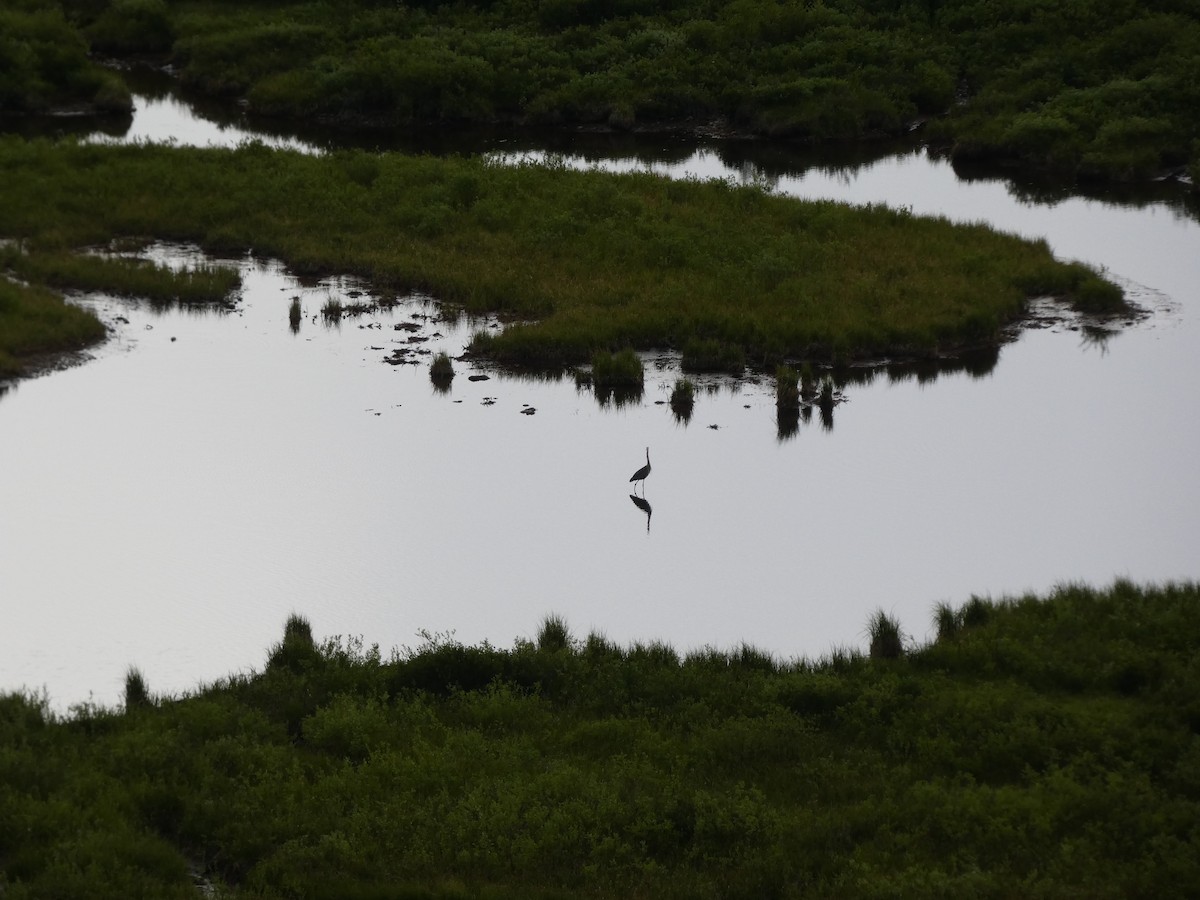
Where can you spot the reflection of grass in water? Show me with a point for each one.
(332, 310)
(787, 422)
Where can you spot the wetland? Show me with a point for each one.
(903, 605)
(253, 470)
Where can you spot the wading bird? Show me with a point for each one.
(640, 474)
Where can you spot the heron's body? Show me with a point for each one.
(640, 474)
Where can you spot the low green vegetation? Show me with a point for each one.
(586, 261)
(124, 276)
(1045, 746)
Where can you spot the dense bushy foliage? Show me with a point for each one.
(1081, 87)
(1047, 747)
(44, 63)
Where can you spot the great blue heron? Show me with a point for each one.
(640, 474)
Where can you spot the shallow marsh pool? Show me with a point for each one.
(169, 503)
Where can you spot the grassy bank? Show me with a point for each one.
(584, 261)
(1082, 88)
(35, 323)
(1040, 746)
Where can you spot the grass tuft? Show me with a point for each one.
(441, 370)
(883, 630)
(683, 399)
(553, 635)
(137, 695)
(621, 370)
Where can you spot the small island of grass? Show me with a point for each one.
(577, 262)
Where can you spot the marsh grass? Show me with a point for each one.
(618, 371)
(576, 262)
(713, 355)
(124, 276)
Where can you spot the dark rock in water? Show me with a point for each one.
(528, 411)
(478, 377)
(400, 358)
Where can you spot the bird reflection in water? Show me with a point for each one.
(640, 503)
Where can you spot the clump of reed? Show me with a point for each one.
(950, 622)
(441, 370)
(332, 310)
(887, 641)
(137, 694)
(787, 388)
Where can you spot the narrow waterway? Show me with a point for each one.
(170, 502)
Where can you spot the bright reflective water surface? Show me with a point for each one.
(170, 502)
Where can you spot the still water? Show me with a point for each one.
(170, 502)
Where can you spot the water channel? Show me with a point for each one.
(168, 503)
